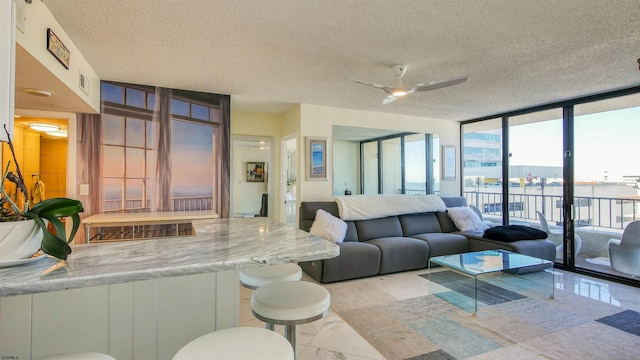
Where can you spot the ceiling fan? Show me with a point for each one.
(399, 90)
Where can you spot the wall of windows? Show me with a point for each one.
(400, 164)
(572, 164)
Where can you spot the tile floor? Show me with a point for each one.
(332, 338)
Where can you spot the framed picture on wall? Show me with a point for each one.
(316, 158)
(255, 172)
(448, 162)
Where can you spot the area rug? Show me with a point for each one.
(516, 320)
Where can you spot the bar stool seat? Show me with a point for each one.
(79, 356)
(238, 343)
(253, 278)
(290, 303)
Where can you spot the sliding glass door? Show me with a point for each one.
(607, 183)
(572, 170)
(482, 167)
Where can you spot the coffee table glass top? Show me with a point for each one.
(487, 261)
(477, 263)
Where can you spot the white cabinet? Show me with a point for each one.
(150, 319)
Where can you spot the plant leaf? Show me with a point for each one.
(51, 244)
(52, 210)
(57, 207)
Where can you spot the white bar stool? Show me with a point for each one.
(79, 356)
(253, 278)
(290, 303)
(238, 343)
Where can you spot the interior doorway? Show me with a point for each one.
(41, 144)
(290, 178)
(251, 161)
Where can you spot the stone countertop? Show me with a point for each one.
(219, 244)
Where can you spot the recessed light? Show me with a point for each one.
(38, 92)
(44, 127)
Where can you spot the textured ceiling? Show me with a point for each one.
(269, 54)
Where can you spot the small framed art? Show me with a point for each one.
(255, 171)
(316, 158)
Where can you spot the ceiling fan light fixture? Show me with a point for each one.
(44, 127)
(399, 92)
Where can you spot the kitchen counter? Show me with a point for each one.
(220, 244)
(143, 299)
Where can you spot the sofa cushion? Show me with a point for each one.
(352, 232)
(466, 219)
(328, 227)
(419, 223)
(446, 224)
(356, 260)
(444, 243)
(454, 201)
(379, 228)
(401, 254)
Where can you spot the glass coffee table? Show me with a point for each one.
(474, 264)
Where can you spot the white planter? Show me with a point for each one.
(19, 239)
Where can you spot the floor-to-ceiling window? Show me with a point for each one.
(370, 167)
(482, 167)
(571, 170)
(535, 167)
(392, 165)
(607, 182)
(400, 164)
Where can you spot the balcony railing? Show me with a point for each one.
(603, 212)
(183, 203)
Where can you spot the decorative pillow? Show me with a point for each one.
(466, 219)
(328, 227)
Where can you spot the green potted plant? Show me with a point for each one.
(50, 211)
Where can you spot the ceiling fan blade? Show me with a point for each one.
(378, 86)
(389, 99)
(440, 84)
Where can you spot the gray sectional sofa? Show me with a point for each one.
(403, 242)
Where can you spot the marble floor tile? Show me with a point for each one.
(332, 338)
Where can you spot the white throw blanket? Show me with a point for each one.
(362, 207)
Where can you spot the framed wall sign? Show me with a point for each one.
(448, 162)
(255, 171)
(57, 49)
(316, 158)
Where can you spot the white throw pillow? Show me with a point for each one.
(328, 227)
(466, 219)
